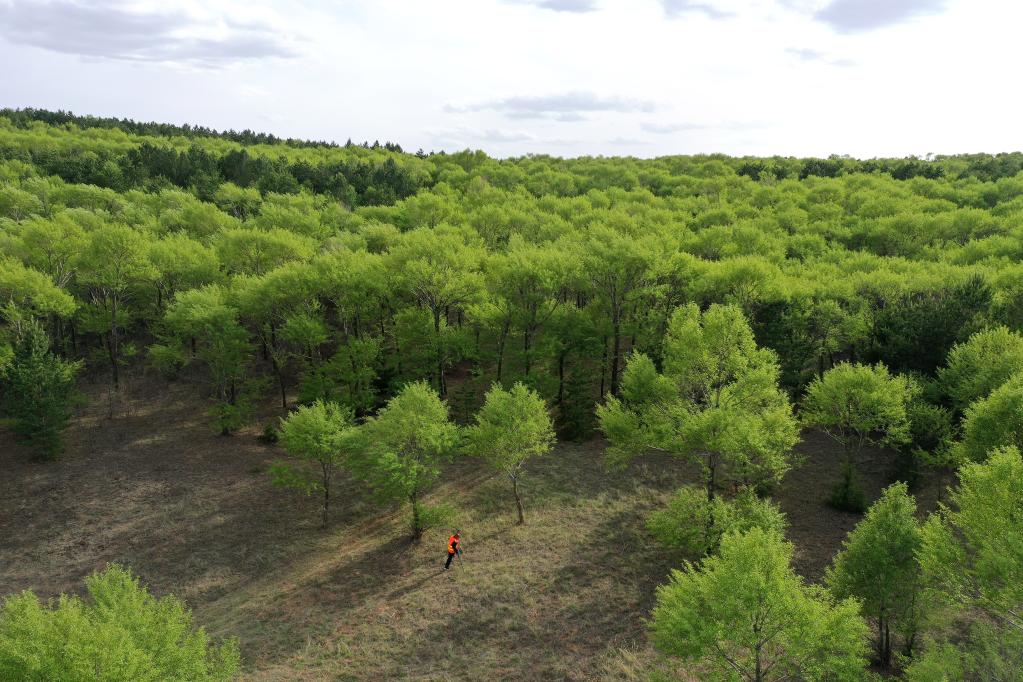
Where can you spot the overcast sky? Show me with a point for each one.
(564, 77)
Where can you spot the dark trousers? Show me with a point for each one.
(451, 556)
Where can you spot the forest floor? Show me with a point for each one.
(192, 513)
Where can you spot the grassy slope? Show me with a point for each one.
(563, 597)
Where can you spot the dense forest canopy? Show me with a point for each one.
(705, 303)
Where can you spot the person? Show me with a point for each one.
(453, 549)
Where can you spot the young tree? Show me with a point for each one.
(38, 388)
(322, 436)
(717, 401)
(993, 422)
(856, 405)
(439, 270)
(618, 268)
(877, 566)
(980, 365)
(512, 427)
(203, 319)
(971, 558)
(404, 446)
(746, 615)
(695, 526)
(121, 632)
(112, 265)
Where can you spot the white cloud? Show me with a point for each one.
(143, 32)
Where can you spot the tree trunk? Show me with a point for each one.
(441, 384)
(603, 366)
(500, 349)
(518, 500)
(280, 380)
(615, 357)
(561, 379)
(417, 530)
(112, 345)
(526, 347)
(326, 494)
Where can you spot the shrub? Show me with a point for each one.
(695, 526)
(120, 632)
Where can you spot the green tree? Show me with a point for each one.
(38, 388)
(404, 446)
(322, 436)
(113, 265)
(857, 405)
(971, 558)
(204, 319)
(121, 632)
(512, 427)
(993, 422)
(695, 526)
(439, 270)
(717, 402)
(745, 615)
(618, 268)
(877, 565)
(980, 365)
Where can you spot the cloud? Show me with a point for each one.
(574, 6)
(856, 16)
(807, 55)
(567, 107)
(120, 30)
(627, 141)
(676, 8)
(682, 126)
(463, 135)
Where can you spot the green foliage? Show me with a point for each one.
(695, 526)
(993, 422)
(744, 614)
(717, 402)
(857, 405)
(403, 447)
(120, 632)
(512, 427)
(980, 365)
(322, 437)
(203, 320)
(971, 557)
(38, 390)
(877, 565)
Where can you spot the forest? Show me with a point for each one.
(408, 344)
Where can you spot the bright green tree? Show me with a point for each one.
(745, 615)
(857, 405)
(716, 402)
(120, 632)
(113, 265)
(512, 427)
(971, 557)
(695, 526)
(202, 324)
(403, 449)
(980, 365)
(993, 421)
(877, 565)
(321, 437)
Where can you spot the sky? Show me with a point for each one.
(644, 78)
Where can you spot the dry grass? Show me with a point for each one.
(561, 598)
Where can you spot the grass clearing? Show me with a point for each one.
(563, 597)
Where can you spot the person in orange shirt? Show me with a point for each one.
(453, 549)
